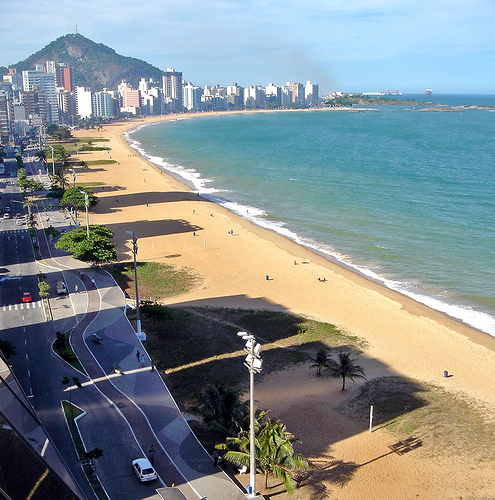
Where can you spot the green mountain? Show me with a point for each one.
(95, 65)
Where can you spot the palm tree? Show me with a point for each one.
(320, 361)
(60, 180)
(222, 409)
(345, 368)
(274, 452)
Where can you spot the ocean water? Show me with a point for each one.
(405, 197)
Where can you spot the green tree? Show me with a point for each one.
(320, 361)
(222, 409)
(154, 311)
(62, 154)
(41, 155)
(68, 198)
(44, 289)
(8, 349)
(344, 368)
(274, 452)
(97, 248)
(59, 180)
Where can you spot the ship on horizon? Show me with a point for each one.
(428, 91)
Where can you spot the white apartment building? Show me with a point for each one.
(254, 96)
(311, 93)
(273, 94)
(191, 96)
(84, 102)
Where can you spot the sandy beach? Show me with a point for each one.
(404, 338)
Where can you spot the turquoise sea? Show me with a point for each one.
(404, 196)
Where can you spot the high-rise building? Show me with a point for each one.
(172, 90)
(84, 102)
(105, 104)
(6, 116)
(273, 94)
(36, 106)
(235, 95)
(311, 94)
(298, 93)
(191, 96)
(43, 82)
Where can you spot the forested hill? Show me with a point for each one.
(95, 64)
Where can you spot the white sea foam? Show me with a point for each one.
(477, 319)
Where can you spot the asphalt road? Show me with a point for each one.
(125, 412)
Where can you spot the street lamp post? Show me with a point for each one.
(75, 203)
(135, 251)
(253, 363)
(53, 162)
(86, 203)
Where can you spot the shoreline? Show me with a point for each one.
(390, 322)
(462, 313)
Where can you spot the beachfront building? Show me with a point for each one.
(105, 104)
(298, 95)
(311, 96)
(84, 102)
(235, 96)
(66, 106)
(41, 81)
(172, 90)
(273, 94)
(191, 96)
(286, 94)
(254, 96)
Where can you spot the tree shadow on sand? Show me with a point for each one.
(338, 473)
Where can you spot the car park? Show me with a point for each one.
(144, 470)
(26, 297)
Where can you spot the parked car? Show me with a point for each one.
(26, 297)
(144, 470)
(61, 288)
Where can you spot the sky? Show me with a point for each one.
(343, 45)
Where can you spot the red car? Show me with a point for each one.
(26, 297)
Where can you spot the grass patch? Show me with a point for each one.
(71, 412)
(155, 280)
(92, 163)
(91, 184)
(64, 350)
(194, 345)
(87, 147)
(91, 139)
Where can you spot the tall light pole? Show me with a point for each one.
(86, 203)
(74, 180)
(253, 363)
(53, 162)
(135, 251)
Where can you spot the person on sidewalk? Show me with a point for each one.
(151, 454)
(138, 356)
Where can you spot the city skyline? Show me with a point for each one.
(446, 46)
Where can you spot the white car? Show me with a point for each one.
(144, 470)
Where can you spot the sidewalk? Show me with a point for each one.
(137, 391)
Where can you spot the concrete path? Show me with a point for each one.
(136, 391)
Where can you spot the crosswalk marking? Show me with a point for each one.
(23, 305)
